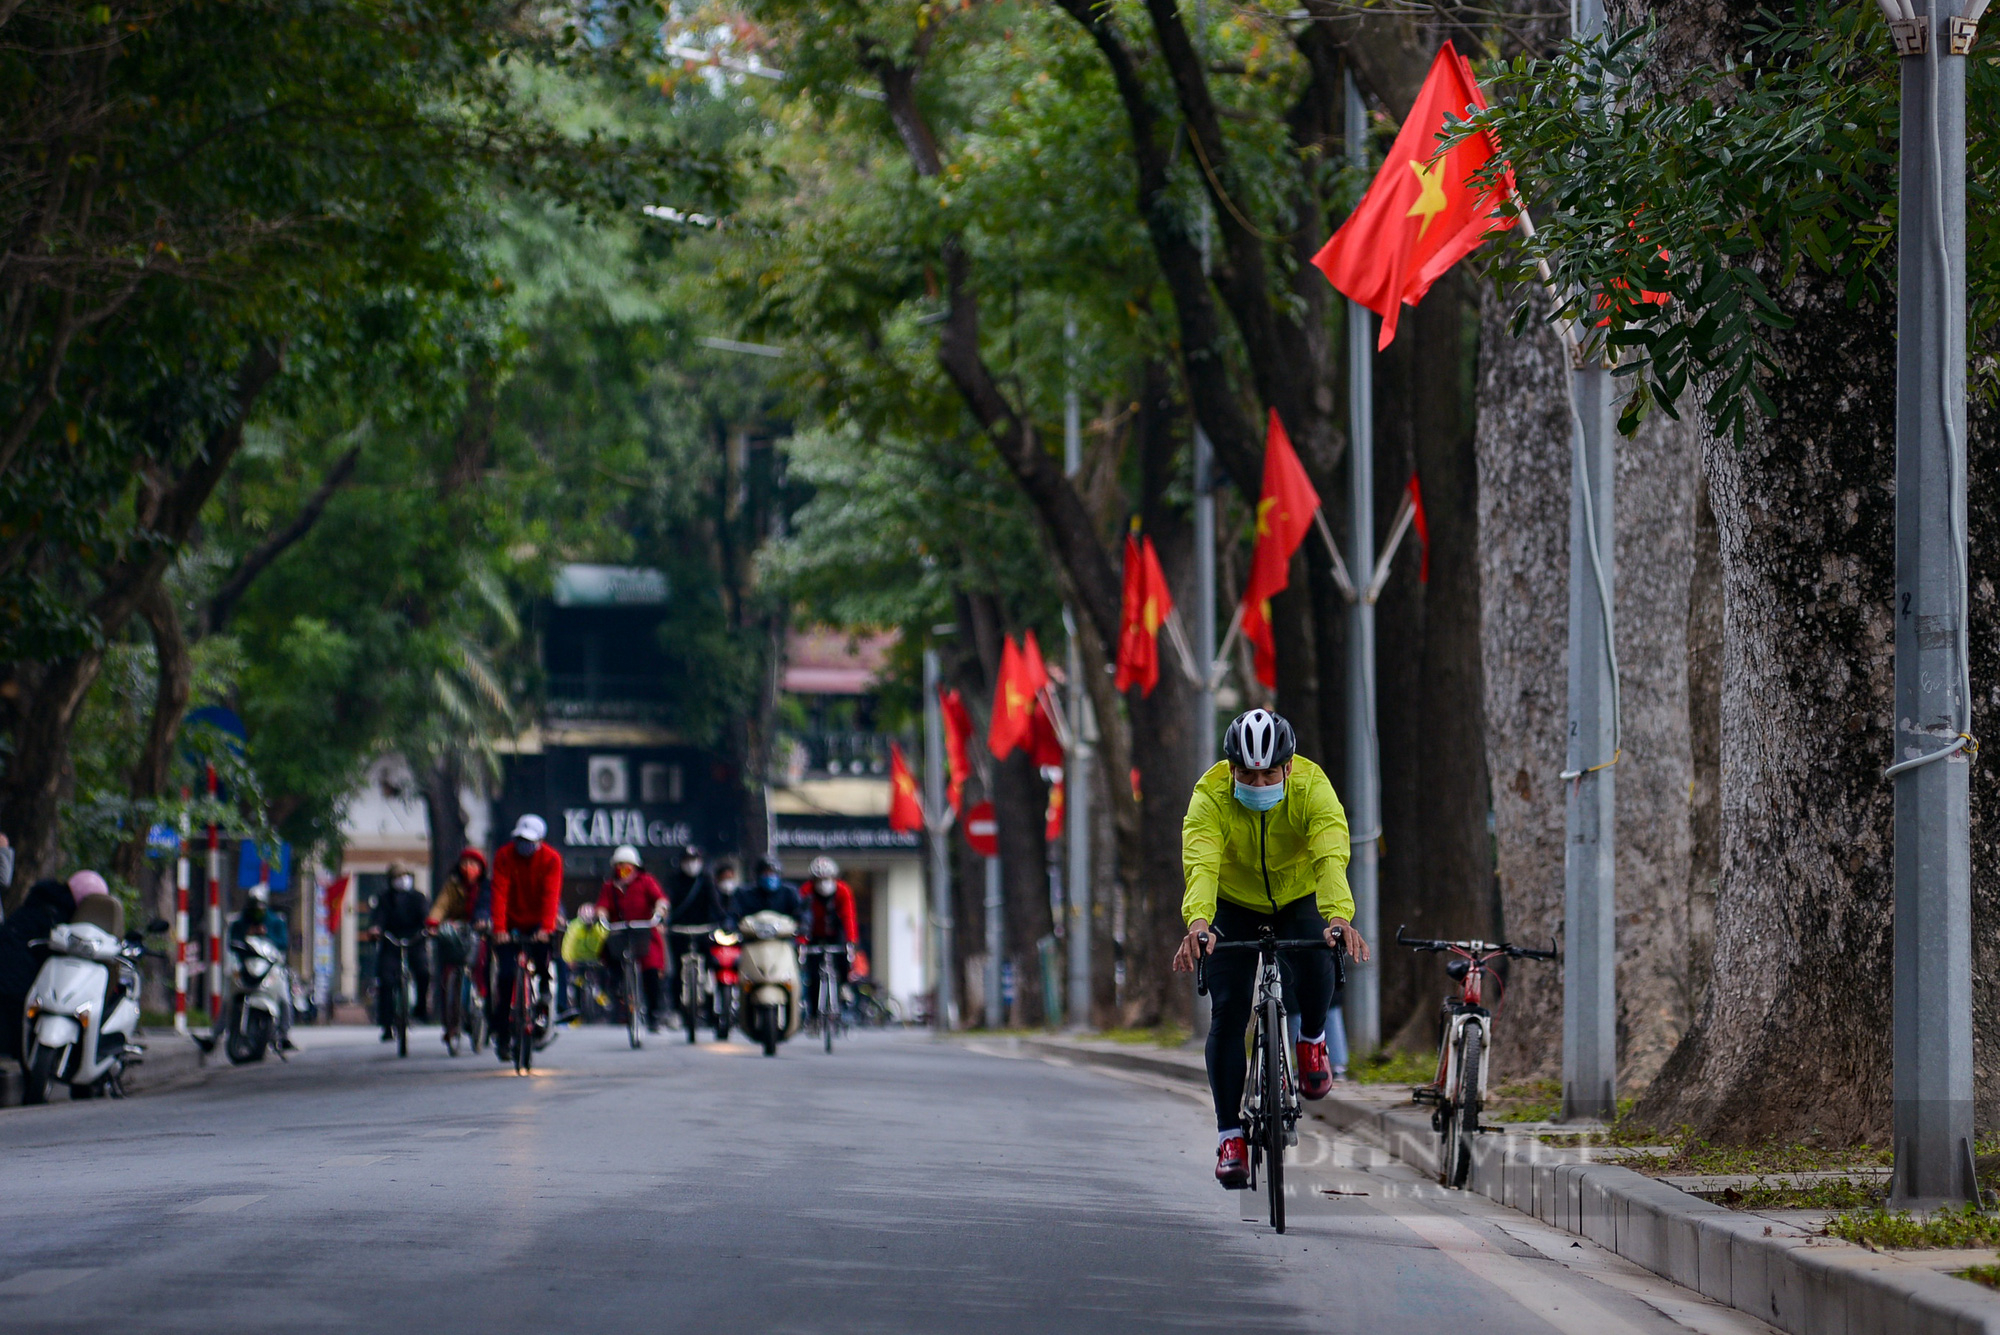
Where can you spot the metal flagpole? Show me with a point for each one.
(1590, 959)
(1933, 747)
(1204, 637)
(1076, 775)
(1363, 1004)
(943, 1005)
(995, 1008)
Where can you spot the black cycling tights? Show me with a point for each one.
(1232, 985)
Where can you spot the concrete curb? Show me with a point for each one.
(1800, 1284)
(171, 1061)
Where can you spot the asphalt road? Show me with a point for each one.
(901, 1185)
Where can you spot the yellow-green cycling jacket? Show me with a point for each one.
(1264, 860)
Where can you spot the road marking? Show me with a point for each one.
(36, 1283)
(354, 1160)
(440, 1135)
(219, 1204)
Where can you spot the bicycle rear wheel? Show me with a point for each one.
(1273, 1058)
(690, 992)
(403, 986)
(1462, 1119)
(829, 1001)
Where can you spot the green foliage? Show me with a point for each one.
(1902, 1230)
(1717, 189)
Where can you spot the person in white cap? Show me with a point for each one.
(527, 897)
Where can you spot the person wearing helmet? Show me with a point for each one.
(632, 895)
(527, 898)
(829, 921)
(399, 911)
(1264, 844)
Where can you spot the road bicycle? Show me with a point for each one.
(404, 1000)
(459, 1008)
(1465, 1046)
(696, 989)
(630, 943)
(1271, 1107)
(826, 992)
(527, 1003)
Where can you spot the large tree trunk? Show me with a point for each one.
(1524, 476)
(1800, 997)
(173, 679)
(444, 814)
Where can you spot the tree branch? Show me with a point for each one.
(259, 559)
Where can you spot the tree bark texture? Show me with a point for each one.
(1804, 517)
(1436, 857)
(173, 680)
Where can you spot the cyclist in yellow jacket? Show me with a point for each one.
(1264, 844)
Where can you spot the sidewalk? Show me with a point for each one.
(1772, 1265)
(171, 1061)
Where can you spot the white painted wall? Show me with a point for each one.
(901, 928)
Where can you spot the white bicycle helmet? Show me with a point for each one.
(1259, 739)
(626, 854)
(823, 869)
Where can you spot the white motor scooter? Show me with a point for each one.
(260, 1004)
(81, 1015)
(769, 970)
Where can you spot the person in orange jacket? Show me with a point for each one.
(527, 898)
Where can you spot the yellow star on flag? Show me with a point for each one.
(1430, 193)
(1017, 703)
(1264, 515)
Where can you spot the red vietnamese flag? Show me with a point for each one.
(1013, 705)
(1044, 742)
(1421, 522)
(1422, 214)
(906, 811)
(1147, 604)
(1034, 673)
(1052, 830)
(1284, 514)
(957, 740)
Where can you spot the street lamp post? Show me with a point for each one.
(1590, 955)
(938, 827)
(1932, 745)
(1082, 730)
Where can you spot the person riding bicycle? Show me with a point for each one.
(583, 957)
(828, 921)
(461, 902)
(632, 895)
(1264, 844)
(527, 897)
(704, 903)
(399, 912)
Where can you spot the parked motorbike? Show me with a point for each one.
(81, 1015)
(259, 1002)
(769, 968)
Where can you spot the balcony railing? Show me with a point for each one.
(824, 755)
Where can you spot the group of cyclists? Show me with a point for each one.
(491, 918)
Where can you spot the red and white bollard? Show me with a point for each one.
(215, 1018)
(181, 929)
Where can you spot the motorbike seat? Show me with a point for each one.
(104, 912)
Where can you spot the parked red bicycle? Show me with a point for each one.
(1465, 1042)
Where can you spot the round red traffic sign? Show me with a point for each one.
(982, 831)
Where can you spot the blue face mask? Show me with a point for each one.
(1260, 799)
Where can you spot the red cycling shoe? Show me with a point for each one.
(1315, 1075)
(1232, 1163)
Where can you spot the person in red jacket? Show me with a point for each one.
(829, 921)
(527, 898)
(632, 895)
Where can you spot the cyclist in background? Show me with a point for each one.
(527, 897)
(1264, 844)
(399, 912)
(583, 957)
(632, 895)
(706, 904)
(465, 897)
(829, 921)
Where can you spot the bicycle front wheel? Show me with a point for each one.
(403, 1016)
(632, 999)
(524, 1036)
(1462, 1120)
(1273, 1058)
(829, 1003)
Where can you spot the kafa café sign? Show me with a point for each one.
(600, 827)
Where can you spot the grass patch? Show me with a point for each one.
(1989, 1275)
(1833, 1195)
(1387, 1067)
(1900, 1230)
(1159, 1036)
(197, 1019)
(1525, 1101)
